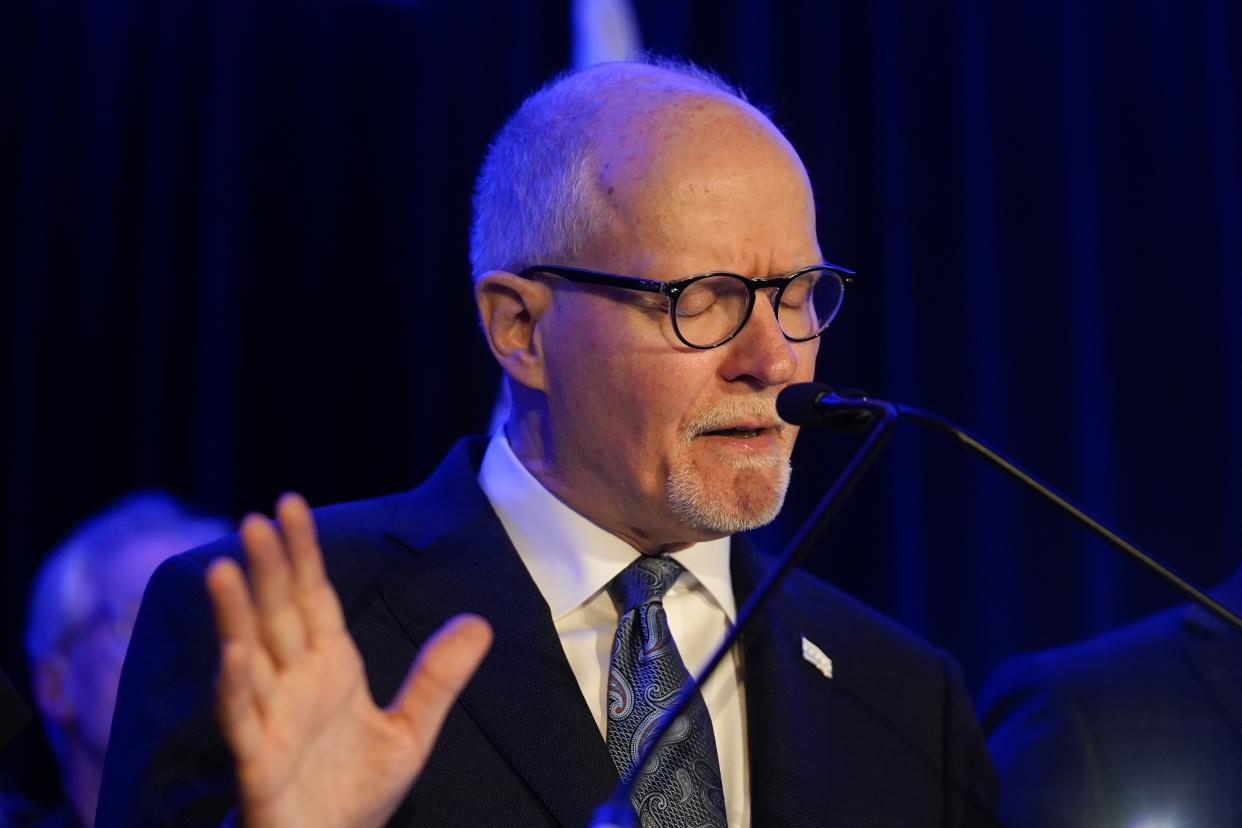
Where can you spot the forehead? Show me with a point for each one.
(658, 140)
(706, 176)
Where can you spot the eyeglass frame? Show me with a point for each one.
(672, 290)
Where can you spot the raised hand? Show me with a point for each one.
(310, 745)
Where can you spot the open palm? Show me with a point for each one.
(310, 745)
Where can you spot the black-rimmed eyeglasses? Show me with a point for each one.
(709, 309)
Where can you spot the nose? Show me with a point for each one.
(760, 353)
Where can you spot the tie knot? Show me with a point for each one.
(644, 582)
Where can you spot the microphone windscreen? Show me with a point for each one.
(796, 404)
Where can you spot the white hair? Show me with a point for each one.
(534, 199)
(64, 599)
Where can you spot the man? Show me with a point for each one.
(1141, 727)
(642, 435)
(82, 609)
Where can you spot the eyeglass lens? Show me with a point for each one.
(712, 309)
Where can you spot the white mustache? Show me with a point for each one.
(729, 412)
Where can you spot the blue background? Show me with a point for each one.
(235, 264)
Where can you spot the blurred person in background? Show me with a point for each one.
(83, 604)
(1138, 728)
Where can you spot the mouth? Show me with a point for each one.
(746, 425)
(743, 431)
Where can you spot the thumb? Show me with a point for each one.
(444, 665)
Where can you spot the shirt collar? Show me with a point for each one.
(569, 557)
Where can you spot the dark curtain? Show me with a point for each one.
(235, 263)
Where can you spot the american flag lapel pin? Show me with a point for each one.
(818, 659)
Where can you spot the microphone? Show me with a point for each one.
(817, 405)
(814, 404)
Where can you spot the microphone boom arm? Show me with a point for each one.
(1015, 471)
(810, 405)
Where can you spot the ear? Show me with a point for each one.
(50, 679)
(510, 308)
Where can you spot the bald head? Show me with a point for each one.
(576, 161)
(682, 162)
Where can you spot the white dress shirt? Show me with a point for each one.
(572, 562)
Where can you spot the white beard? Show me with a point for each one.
(727, 513)
(690, 500)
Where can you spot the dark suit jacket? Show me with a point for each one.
(1139, 727)
(890, 740)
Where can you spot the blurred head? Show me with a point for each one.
(82, 609)
(660, 172)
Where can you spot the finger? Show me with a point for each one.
(298, 526)
(235, 706)
(230, 602)
(236, 621)
(280, 622)
(444, 665)
(321, 611)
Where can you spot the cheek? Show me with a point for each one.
(634, 412)
(648, 390)
(614, 364)
(664, 389)
(622, 387)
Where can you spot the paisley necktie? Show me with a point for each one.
(681, 784)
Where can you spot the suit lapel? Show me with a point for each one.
(787, 703)
(524, 696)
(1216, 650)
